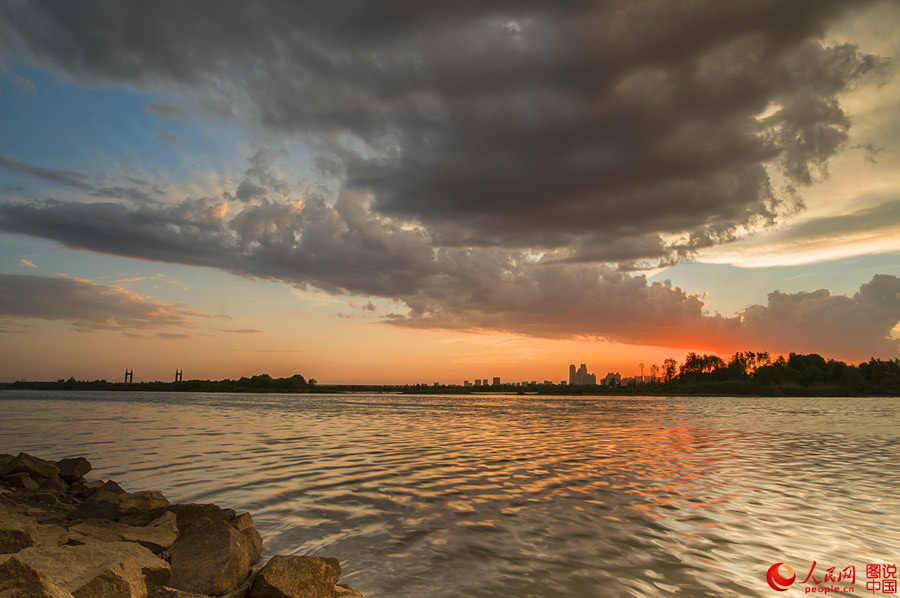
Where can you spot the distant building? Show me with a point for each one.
(477, 381)
(612, 379)
(580, 376)
(467, 384)
(496, 381)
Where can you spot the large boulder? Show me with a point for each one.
(191, 513)
(137, 503)
(210, 557)
(158, 536)
(19, 531)
(19, 579)
(104, 503)
(297, 577)
(244, 524)
(73, 469)
(167, 522)
(71, 567)
(25, 463)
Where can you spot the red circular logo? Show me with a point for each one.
(775, 579)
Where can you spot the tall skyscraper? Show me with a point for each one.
(581, 375)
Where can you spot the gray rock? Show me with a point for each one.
(297, 577)
(110, 486)
(67, 565)
(18, 579)
(25, 463)
(73, 469)
(19, 531)
(243, 521)
(49, 535)
(84, 489)
(20, 480)
(53, 483)
(14, 537)
(145, 501)
(244, 524)
(112, 580)
(191, 513)
(166, 521)
(156, 538)
(102, 504)
(210, 558)
(50, 499)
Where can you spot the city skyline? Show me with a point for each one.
(365, 194)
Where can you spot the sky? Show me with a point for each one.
(402, 192)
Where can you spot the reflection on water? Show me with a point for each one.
(493, 496)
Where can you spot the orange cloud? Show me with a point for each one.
(87, 306)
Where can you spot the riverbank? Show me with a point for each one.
(64, 536)
(677, 388)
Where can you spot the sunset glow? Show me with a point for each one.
(447, 193)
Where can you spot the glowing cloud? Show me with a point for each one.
(85, 305)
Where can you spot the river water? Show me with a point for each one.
(511, 496)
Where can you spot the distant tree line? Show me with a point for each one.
(259, 383)
(746, 373)
(758, 374)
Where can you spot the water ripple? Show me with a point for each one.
(509, 496)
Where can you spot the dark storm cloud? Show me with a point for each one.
(85, 305)
(67, 178)
(573, 124)
(346, 248)
(336, 248)
(259, 180)
(134, 194)
(856, 327)
(500, 164)
(185, 233)
(139, 191)
(583, 301)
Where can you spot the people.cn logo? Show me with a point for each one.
(777, 581)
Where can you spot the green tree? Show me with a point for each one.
(670, 369)
(696, 366)
(746, 364)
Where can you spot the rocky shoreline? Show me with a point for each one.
(62, 536)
